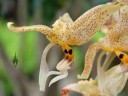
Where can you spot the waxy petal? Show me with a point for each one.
(40, 28)
(116, 39)
(89, 59)
(85, 27)
(65, 19)
(121, 27)
(86, 88)
(44, 69)
(62, 75)
(112, 81)
(44, 73)
(62, 68)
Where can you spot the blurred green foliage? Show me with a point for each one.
(27, 62)
(29, 53)
(7, 85)
(12, 44)
(50, 8)
(9, 40)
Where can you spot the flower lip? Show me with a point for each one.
(64, 65)
(62, 68)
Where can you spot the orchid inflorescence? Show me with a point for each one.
(107, 83)
(66, 32)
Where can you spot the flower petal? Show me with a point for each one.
(86, 26)
(89, 59)
(44, 69)
(71, 87)
(66, 18)
(118, 35)
(112, 81)
(40, 28)
(86, 88)
(61, 76)
(62, 66)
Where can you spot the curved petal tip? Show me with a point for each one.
(9, 24)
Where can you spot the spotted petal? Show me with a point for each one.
(85, 27)
(40, 28)
(89, 58)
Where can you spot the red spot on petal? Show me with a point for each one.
(64, 92)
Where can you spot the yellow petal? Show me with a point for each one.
(89, 60)
(40, 28)
(85, 27)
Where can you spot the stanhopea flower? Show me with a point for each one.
(108, 83)
(44, 73)
(116, 39)
(65, 32)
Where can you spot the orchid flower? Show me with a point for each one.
(62, 67)
(113, 80)
(116, 39)
(65, 32)
(110, 82)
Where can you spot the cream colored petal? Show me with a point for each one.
(44, 69)
(86, 88)
(119, 32)
(62, 75)
(62, 21)
(89, 60)
(62, 72)
(71, 87)
(66, 18)
(115, 80)
(112, 81)
(40, 28)
(91, 21)
(62, 67)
